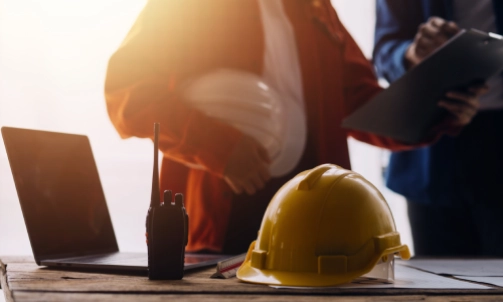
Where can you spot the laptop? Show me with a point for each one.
(64, 206)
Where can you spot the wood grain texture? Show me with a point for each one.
(4, 284)
(87, 297)
(33, 297)
(25, 281)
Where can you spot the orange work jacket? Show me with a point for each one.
(175, 40)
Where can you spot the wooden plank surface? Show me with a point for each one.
(25, 281)
(79, 297)
(3, 283)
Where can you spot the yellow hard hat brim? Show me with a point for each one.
(250, 274)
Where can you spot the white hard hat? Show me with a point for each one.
(245, 101)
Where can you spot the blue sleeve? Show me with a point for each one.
(397, 22)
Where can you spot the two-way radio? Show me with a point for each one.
(167, 229)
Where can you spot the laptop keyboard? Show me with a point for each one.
(133, 260)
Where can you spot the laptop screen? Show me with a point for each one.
(59, 189)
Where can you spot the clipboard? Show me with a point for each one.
(408, 108)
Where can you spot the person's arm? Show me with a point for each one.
(397, 22)
(403, 37)
(361, 85)
(143, 86)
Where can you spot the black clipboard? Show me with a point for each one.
(408, 108)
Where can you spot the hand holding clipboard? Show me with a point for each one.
(408, 109)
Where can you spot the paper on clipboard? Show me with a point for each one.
(408, 108)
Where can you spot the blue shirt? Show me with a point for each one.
(458, 170)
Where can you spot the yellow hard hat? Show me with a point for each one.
(324, 227)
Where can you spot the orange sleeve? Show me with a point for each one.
(142, 83)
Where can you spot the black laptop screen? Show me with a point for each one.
(60, 193)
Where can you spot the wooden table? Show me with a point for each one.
(22, 280)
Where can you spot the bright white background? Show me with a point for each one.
(53, 58)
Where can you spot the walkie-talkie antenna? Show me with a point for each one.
(155, 199)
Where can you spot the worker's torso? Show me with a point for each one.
(230, 34)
